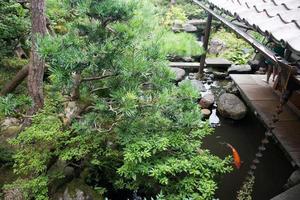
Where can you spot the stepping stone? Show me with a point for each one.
(197, 22)
(185, 65)
(239, 69)
(217, 62)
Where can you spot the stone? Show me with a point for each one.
(209, 81)
(188, 59)
(177, 26)
(180, 73)
(198, 85)
(205, 113)
(231, 88)
(8, 122)
(239, 69)
(197, 22)
(189, 28)
(216, 46)
(219, 75)
(192, 76)
(220, 63)
(77, 190)
(13, 194)
(230, 106)
(207, 100)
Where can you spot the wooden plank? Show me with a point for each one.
(256, 93)
(291, 194)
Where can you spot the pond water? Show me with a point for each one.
(245, 135)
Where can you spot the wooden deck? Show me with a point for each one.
(262, 99)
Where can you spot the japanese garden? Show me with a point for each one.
(149, 99)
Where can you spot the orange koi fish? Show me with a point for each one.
(236, 156)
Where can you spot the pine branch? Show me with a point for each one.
(96, 78)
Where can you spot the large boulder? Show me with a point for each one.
(231, 106)
(207, 100)
(180, 73)
(239, 69)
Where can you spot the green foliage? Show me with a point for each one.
(111, 10)
(14, 26)
(235, 47)
(181, 44)
(13, 63)
(138, 131)
(37, 145)
(245, 193)
(192, 10)
(175, 13)
(12, 105)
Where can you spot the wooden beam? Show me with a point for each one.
(205, 44)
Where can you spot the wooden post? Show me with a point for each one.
(205, 44)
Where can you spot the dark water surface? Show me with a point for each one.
(245, 135)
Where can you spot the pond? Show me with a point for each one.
(245, 135)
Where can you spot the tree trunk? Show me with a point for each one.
(13, 84)
(37, 64)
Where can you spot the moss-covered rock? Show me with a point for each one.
(78, 190)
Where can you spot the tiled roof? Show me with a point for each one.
(278, 19)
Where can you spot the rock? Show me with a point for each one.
(239, 69)
(77, 190)
(231, 106)
(8, 122)
(189, 28)
(188, 59)
(216, 46)
(13, 194)
(177, 26)
(207, 101)
(231, 88)
(205, 113)
(192, 76)
(198, 85)
(293, 180)
(180, 73)
(209, 81)
(9, 129)
(219, 75)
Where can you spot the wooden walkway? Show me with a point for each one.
(262, 99)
